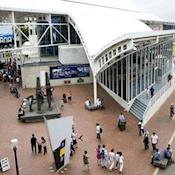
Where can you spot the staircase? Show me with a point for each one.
(138, 108)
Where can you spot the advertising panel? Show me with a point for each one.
(59, 131)
(69, 71)
(6, 36)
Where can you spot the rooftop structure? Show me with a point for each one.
(108, 42)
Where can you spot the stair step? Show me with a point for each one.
(138, 116)
(138, 109)
(138, 112)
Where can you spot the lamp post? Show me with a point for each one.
(14, 145)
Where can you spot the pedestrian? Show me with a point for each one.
(169, 78)
(72, 150)
(117, 156)
(141, 128)
(146, 140)
(152, 91)
(64, 98)
(98, 150)
(121, 162)
(69, 96)
(43, 141)
(98, 131)
(111, 160)
(172, 110)
(85, 161)
(33, 141)
(147, 92)
(154, 140)
(39, 146)
(103, 156)
(73, 135)
(121, 122)
(61, 104)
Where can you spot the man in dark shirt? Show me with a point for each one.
(33, 143)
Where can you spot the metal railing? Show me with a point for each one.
(158, 94)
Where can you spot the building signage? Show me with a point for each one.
(6, 36)
(69, 71)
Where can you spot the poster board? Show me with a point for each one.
(5, 164)
(59, 131)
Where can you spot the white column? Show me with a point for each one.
(95, 89)
(14, 32)
(68, 30)
(50, 24)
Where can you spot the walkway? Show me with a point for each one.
(162, 83)
(137, 160)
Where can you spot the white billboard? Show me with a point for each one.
(60, 131)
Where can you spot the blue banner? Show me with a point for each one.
(69, 71)
(6, 36)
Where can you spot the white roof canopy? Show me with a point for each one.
(98, 25)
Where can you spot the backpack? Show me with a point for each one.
(101, 130)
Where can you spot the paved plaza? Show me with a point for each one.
(136, 159)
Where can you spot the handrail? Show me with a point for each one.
(157, 96)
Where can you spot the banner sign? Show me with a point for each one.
(69, 71)
(6, 36)
(60, 139)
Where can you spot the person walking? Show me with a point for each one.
(172, 110)
(147, 92)
(98, 150)
(85, 161)
(39, 146)
(73, 136)
(154, 140)
(43, 141)
(169, 78)
(111, 160)
(98, 131)
(146, 140)
(104, 155)
(121, 162)
(64, 98)
(152, 91)
(69, 96)
(117, 156)
(33, 141)
(61, 104)
(121, 122)
(141, 128)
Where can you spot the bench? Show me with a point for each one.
(91, 107)
(162, 163)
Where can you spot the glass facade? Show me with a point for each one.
(46, 31)
(132, 74)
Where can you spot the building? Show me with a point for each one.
(109, 43)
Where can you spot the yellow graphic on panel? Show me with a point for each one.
(62, 151)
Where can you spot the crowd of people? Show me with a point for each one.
(12, 74)
(109, 160)
(167, 152)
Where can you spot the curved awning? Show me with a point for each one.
(98, 25)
